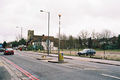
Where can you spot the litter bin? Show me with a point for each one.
(61, 58)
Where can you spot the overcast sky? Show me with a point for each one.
(77, 15)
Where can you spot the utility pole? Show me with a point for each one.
(104, 49)
(21, 32)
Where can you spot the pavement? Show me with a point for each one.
(101, 61)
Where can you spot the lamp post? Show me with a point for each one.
(21, 30)
(48, 30)
(59, 35)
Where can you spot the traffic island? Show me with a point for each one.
(43, 57)
(53, 61)
(60, 59)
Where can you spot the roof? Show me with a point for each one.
(42, 38)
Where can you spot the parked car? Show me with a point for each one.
(2, 49)
(9, 51)
(87, 52)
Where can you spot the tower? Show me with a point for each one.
(30, 34)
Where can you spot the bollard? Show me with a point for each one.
(61, 58)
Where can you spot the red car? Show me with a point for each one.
(9, 51)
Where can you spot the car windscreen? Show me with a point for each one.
(92, 50)
(85, 50)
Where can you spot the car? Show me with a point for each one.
(87, 52)
(2, 49)
(9, 51)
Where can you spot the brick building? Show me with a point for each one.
(37, 40)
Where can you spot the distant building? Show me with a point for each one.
(37, 40)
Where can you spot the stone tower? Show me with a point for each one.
(30, 34)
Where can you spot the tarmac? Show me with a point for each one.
(4, 74)
(8, 72)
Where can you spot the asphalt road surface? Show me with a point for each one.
(73, 70)
(4, 75)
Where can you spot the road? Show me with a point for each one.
(4, 75)
(72, 70)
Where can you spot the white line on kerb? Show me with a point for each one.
(111, 76)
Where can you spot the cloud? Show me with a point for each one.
(76, 15)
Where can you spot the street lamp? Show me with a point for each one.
(21, 30)
(59, 35)
(48, 28)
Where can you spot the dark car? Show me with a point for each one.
(87, 52)
(9, 51)
(2, 49)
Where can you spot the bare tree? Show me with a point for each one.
(84, 34)
(93, 34)
(18, 37)
(71, 41)
(62, 36)
(98, 35)
(65, 38)
(106, 33)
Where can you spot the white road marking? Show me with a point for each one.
(111, 76)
